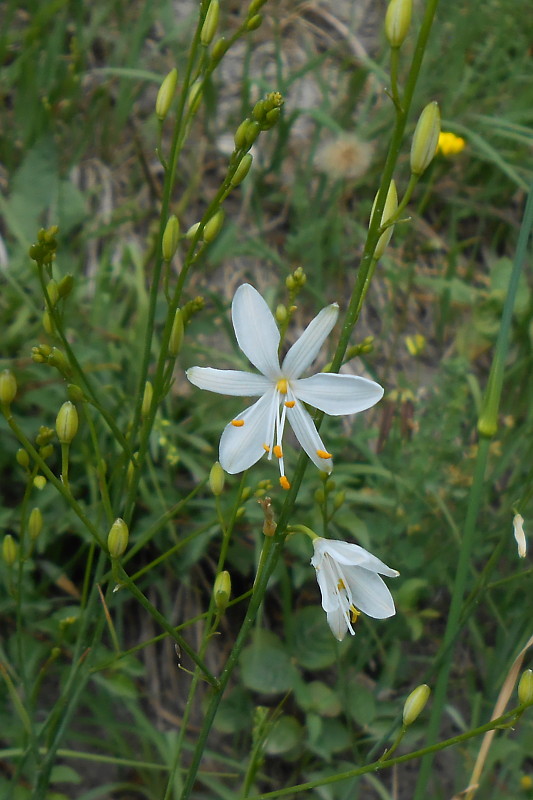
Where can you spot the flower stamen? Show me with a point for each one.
(323, 454)
(284, 483)
(290, 403)
(278, 452)
(282, 386)
(266, 448)
(354, 614)
(238, 423)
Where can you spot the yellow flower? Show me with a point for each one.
(449, 144)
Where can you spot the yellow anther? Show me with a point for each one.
(323, 454)
(284, 483)
(237, 422)
(281, 386)
(278, 452)
(341, 584)
(266, 447)
(290, 403)
(354, 614)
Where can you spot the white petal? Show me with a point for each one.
(256, 330)
(306, 348)
(338, 624)
(338, 394)
(229, 381)
(351, 554)
(307, 434)
(327, 582)
(369, 593)
(240, 447)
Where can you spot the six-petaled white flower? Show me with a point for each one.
(348, 577)
(280, 389)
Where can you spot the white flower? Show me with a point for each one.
(280, 389)
(349, 583)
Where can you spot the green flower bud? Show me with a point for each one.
(67, 423)
(64, 287)
(35, 523)
(222, 590)
(219, 49)
(131, 468)
(425, 139)
(9, 550)
(397, 21)
(415, 703)
(165, 94)
(176, 334)
(23, 458)
(281, 313)
(52, 292)
(147, 399)
(46, 451)
(48, 323)
(525, 688)
(389, 209)
(45, 435)
(339, 499)
(254, 7)
(240, 134)
(209, 28)
(39, 482)
(253, 129)
(191, 233)
(319, 496)
(75, 393)
(217, 477)
(242, 170)
(8, 387)
(213, 226)
(195, 96)
(254, 22)
(57, 359)
(117, 539)
(171, 237)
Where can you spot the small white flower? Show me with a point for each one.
(349, 583)
(280, 389)
(519, 535)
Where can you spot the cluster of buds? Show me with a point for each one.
(52, 356)
(43, 251)
(296, 281)
(191, 308)
(265, 114)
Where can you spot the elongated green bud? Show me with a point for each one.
(254, 22)
(213, 226)
(35, 523)
(254, 7)
(191, 233)
(57, 359)
(8, 387)
(525, 687)
(9, 550)
(23, 458)
(242, 170)
(222, 590)
(415, 703)
(117, 539)
(176, 334)
(52, 292)
(425, 139)
(217, 477)
(67, 423)
(209, 28)
(219, 48)
(75, 393)
(389, 209)
(165, 94)
(147, 399)
(64, 287)
(171, 237)
(195, 95)
(397, 21)
(48, 323)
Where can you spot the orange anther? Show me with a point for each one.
(237, 422)
(278, 452)
(323, 454)
(290, 403)
(284, 483)
(266, 447)
(281, 386)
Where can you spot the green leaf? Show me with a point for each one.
(286, 734)
(62, 773)
(266, 667)
(312, 643)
